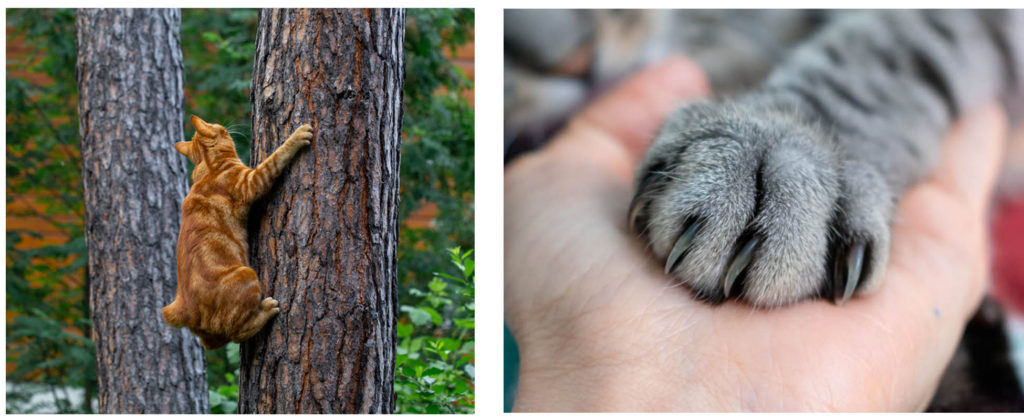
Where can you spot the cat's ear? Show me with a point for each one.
(185, 148)
(203, 128)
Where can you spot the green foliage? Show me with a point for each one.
(221, 368)
(48, 337)
(437, 148)
(434, 371)
(434, 362)
(218, 47)
(224, 399)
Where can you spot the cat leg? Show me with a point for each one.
(788, 192)
(268, 308)
(236, 308)
(258, 180)
(739, 207)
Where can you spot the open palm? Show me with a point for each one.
(600, 327)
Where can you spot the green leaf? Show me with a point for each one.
(216, 398)
(469, 266)
(404, 330)
(434, 316)
(437, 286)
(416, 315)
(433, 371)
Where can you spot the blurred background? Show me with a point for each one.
(50, 360)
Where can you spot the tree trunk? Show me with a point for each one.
(324, 239)
(130, 115)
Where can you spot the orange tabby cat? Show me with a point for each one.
(218, 295)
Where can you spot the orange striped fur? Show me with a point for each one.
(219, 297)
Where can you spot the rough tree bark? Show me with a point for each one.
(324, 239)
(130, 115)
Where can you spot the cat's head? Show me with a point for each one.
(210, 140)
(209, 146)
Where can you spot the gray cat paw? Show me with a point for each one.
(765, 209)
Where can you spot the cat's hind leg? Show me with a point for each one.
(267, 309)
(240, 310)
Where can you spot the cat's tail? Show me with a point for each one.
(175, 314)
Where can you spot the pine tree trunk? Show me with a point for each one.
(324, 239)
(130, 115)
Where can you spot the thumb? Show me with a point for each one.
(633, 112)
(939, 236)
(970, 159)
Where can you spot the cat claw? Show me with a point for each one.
(739, 262)
(684, 241)
(843, 286)
(634, 214)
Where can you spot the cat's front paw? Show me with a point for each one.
(270, 304)
(767, 210)
(302, 136)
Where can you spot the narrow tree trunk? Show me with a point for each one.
(324, 239)
(130, 115)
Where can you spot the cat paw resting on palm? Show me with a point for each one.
(788, 191)
(219, 297)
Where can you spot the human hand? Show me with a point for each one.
(601, 327)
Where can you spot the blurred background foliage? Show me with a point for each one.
(48, 328)
(435, 359)
(49, 354)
